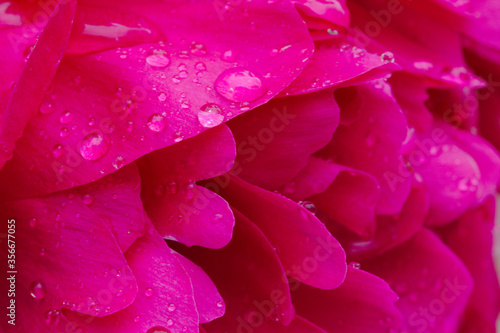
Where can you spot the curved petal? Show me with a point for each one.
(373, 142)
(165, 299)
(433, 284)
(317, 12)
(275, 140)
(250, 278)
(364, 303)
(307, 250)
(471, 239)
(154, 95)
(36, 76)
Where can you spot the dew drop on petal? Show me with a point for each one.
(240, 85)
(57, 151)
(355, 265)
(66, 118)
(309, 206)
(37, 290)
(387, 56)
(198, 49)
(171, 307)
(149, 292)
(228, 56)
(47, 108)
(94, 146)
(220, 304)
(88, 199)
(156, 123)
(33, 222)
(210, 115)
(158, 58)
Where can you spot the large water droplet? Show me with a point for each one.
(210, 115)
(240, 85)
(158, 58)
(37, 290)
(94, 146)
(156, 123)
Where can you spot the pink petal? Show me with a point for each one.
(346, 195)
(55, 229)
(364, 303)
(304, 124)
(471, 239)
(423, 47)
(432, 283)
(165, 299)
(307, 250)
(209, 303)
(250, 278)
(180, 209)
(317, 12)
(391, 230)
(373, 142)
(120, 117)
(35, 78)
(340, 61)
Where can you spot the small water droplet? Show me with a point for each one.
(57, 151)
(37, 290)
(220, 304)
(200, 66)
(198, 49)
(170, 322)
(183, 74)
(387, 56)
(156, 123)
(33, 222)
(64, 132)
(94, 146)
(210, 115)
(217, 218)
(42, 252)
(355, 265)
(88, 199)
(240, 85)
(149, 292)
(66, 118)
(274, 53)
(228, 56)
(137, 319)
(158, 58)
(158, 329)
(309, 206)
(47, 108)
(119, 162)
(171, 307)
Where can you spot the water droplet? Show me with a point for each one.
(149, 292)
(220, 304)
(57, 151)
(387, 56)
(200, 66)
(47, 108)
(94, 146)
(183, 74)
(210, 115)
(119, 162)
(355, 265)
(33, 222)
(42, 252)
(137, 319)
(190, 191)
(240, 85)
(64, 132)
(198, 49)
(156, 123)
(274, 53)
(158, 58)
(217, 218)
(171, 307)
(332, 32)
(158, 329)
(66, 118)
(170, 322)
(88, 199)
(309, 206)
(37, 290)
(228, 56)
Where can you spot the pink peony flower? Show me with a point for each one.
(249, 166)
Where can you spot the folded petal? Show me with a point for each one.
(373, 142)
(307, 250)
(364, 303)
(40, 68)
(433, 284)
(155, 95)
(275, 140)
(471, 239)
(165, 300)
(250, 278)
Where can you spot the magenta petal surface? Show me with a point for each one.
(138, 107)
(40, 68)
(303, 124)
(364, 303)
(249, 277)
(307, 250)
(165, 298)
(373, 143)
(433, 284)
